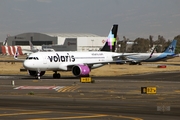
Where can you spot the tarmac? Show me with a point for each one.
(108, 98)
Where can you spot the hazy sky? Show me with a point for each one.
(136, 18)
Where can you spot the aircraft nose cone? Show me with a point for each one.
(27, 64)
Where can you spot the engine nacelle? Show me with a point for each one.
(34, 73)
(81, 70)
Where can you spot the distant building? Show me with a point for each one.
(58, 42)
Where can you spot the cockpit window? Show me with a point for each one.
(32, 58)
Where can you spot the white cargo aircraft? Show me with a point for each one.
(80, 63)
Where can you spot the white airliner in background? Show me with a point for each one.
(80, 63)
(34, 49)
(137, 58)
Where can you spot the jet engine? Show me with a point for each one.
(34, 73)
(81, 70)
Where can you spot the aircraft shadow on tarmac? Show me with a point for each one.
(47, 77)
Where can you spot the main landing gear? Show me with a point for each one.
(56, 75)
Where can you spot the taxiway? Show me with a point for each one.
(109, 98)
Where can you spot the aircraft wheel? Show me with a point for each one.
(56, 75)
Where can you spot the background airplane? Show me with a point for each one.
(137, 58)
(32, 48)
(35, 49)
(80, 63)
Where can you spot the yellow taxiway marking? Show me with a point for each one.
(74, 117)
(128, 117)
(88, 116)
(161, 98)
(178, 91)
(26, 113)
(68, 89)
(35, 80)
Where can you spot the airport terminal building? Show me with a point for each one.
(58, 42)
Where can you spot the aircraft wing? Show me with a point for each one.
(91, 64)
(69, 66)
(19, 60)
(122, 57)
(16, 56)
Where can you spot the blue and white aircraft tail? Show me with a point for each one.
(169, 53)
(171, 48)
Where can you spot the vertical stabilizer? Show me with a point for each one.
(110, 44)
(31, 45)
(171, 48)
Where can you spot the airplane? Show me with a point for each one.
(80, 63)
(35, 49)
(32, 48)
(137, 58)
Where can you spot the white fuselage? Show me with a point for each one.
(55, 61)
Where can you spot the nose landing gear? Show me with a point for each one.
(38, 75)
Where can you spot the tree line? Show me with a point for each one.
(143, 45)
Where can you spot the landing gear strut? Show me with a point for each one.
(56, 75)
(38, 75)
